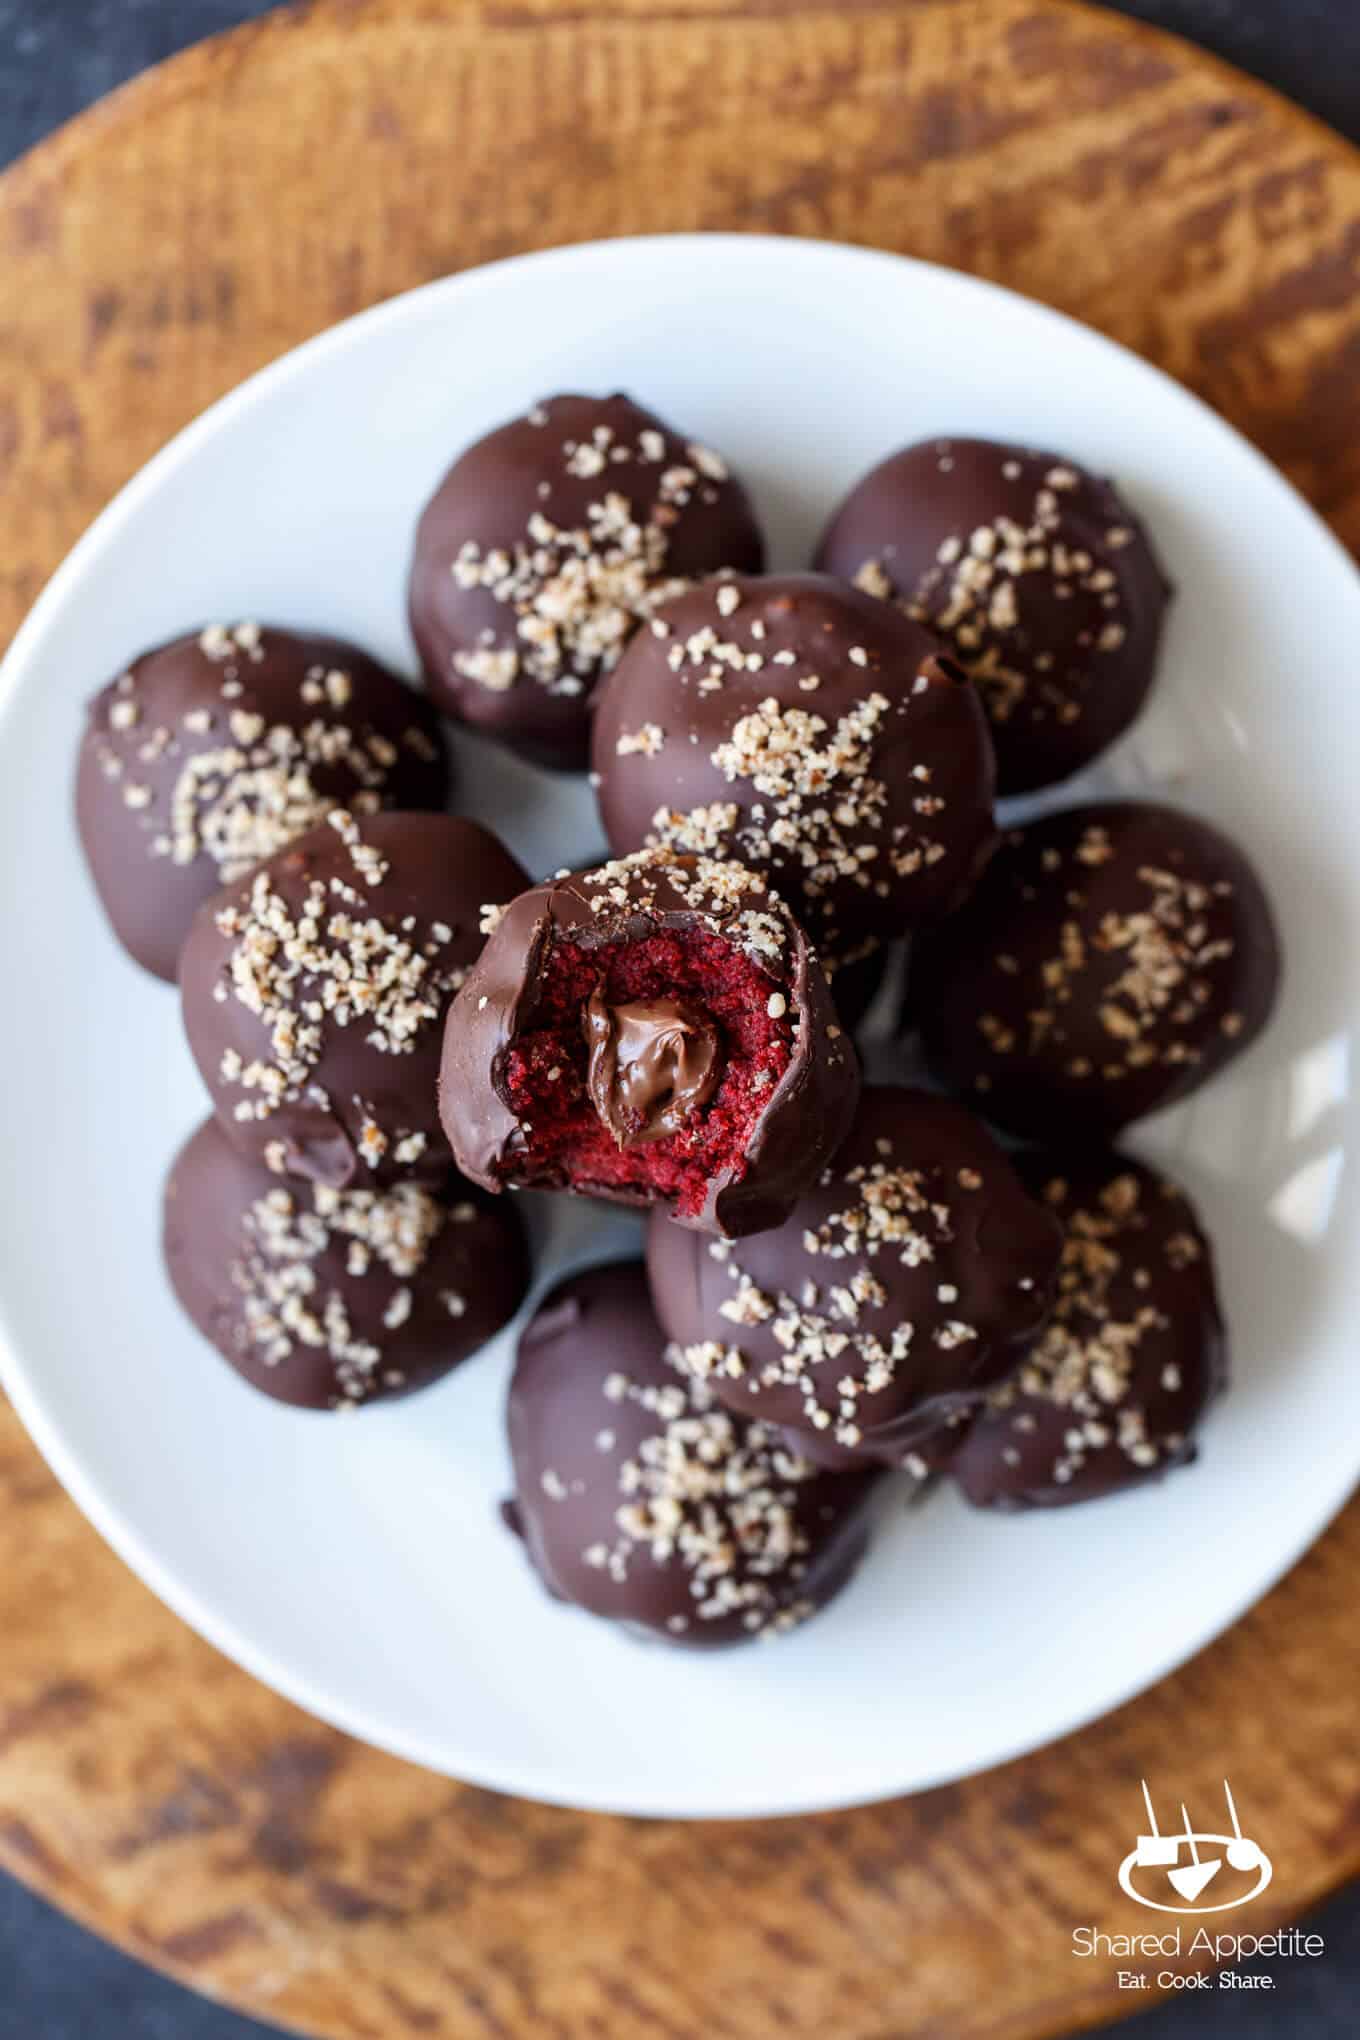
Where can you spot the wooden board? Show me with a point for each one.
(189, 230)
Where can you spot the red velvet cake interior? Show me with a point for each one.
(544, 1076)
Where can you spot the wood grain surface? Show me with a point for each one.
(190, 229)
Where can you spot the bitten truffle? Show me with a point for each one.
(1112, 959)
(325, 1298)
(545, 546)
(651, 1032)
(209, 754)
(314, 992)
(888, 1303)
(813, 733)
(1040, 579)
(1111, 1392)
(640, 1499)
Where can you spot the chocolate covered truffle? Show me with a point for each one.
(211, 753)
(1112, 959)
(890, 1300)
(546, 545)
(810, 731)
(327, 1298)
(1111, 1392)
(639, 1498)
(314, 991)
(855, 978)
(654, 1031)
(1040, 579)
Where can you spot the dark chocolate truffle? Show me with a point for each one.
(211, 753)
(1043, 583)
(855, 977)
(330, 1298)
(1112, 959)
(544, 547)
(652, 1032)
(315, 991)
(640, 1499)
(1112, 1390)
(891, 1299)
(813, 733)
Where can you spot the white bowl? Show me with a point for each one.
(360, 1566)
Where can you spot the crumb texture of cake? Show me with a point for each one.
(654, 1031)
(641, 1499)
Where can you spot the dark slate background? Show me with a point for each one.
(57, 1982)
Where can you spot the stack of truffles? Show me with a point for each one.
(794, 772)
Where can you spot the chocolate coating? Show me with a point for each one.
(814, 733)
(788, 1116)
(854, 980)
(314, 992)
(543, 548)
(649, 1067)
(1111, 1392)
(327, 1299)
(1112, 959)
(212, 752)
(641, 1500)
(891, 1299)
(1041, 579)
(920, 1462)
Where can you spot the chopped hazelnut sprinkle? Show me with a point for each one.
(716, 1495)
(1113, 957)
(1111, 1391)
(828, 1350)
(1091, 1361)
(387, 1236)
(978, 589)
(822, 806)
(247, 786)
(333, 961)
(577, 593)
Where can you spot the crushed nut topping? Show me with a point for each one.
(331, 961)
(244, 796)
(983, 583)
(822, 811)
(577, 593)
(717, 1496)
(829, 1348)
(286, 1302)
(648, 741)
(1157, 964)
(733, 900)
(1089, 1363)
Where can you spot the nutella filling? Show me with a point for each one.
(650, 1066)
